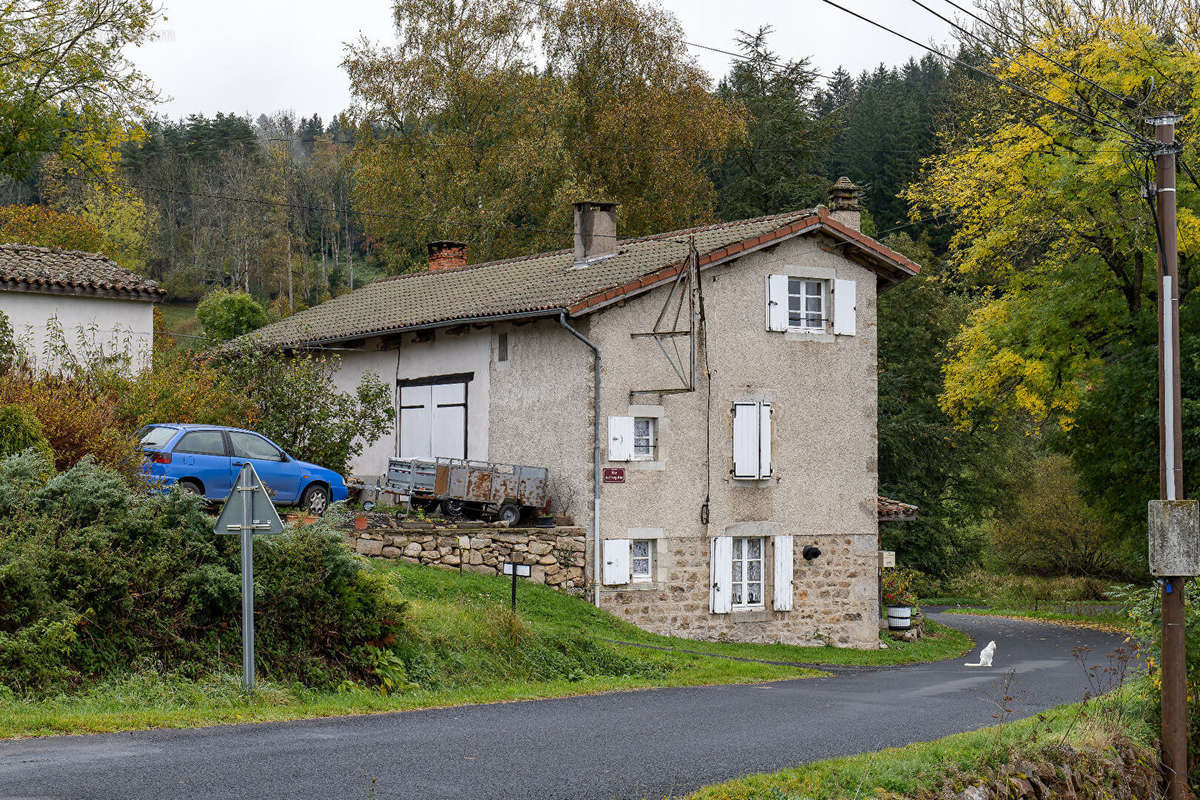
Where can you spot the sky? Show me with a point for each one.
(261, 56)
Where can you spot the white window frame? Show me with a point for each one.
(823, 322)
(739, 581)
(648, 575)
(652, 436)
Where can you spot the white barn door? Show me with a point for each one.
(433, 421)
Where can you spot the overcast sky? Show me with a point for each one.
(261, 56)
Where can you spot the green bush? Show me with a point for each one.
(20, 431)
(227, 315)
(97, 580)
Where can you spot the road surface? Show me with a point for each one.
(621, 745)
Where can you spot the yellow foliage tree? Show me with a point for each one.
(1051, 219)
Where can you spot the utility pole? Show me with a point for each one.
(1174, 667)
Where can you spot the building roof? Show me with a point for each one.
(25, 268)
(547, 283)
(894, 511)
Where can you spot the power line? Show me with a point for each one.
(997, 51)
(1015, 87)
(1125, 101)
(697, 45)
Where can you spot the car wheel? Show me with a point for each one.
(315, 499)
(191, 487)
(453, 508)
(509, 514)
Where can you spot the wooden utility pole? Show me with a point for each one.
(1174, 666)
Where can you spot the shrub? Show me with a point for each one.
(185, 388)
(1051, 531)
(227, 315)
(1143, 604)
(98, 580)
(78, 416)
(20, 431)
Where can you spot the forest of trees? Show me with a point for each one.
(1030, 330)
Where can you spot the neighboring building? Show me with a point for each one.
(84, 302)
(736, 396)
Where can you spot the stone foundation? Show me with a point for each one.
(555, 555)
(835, 600)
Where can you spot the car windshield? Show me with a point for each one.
(155, 436)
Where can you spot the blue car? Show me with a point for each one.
(206, 459)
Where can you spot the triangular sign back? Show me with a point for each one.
(263, 516)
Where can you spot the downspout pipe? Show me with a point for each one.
(562, 320)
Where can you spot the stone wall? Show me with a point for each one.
(555, 555)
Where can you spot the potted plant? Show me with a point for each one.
(898, 598)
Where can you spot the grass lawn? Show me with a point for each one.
(1114, 621)
(180, 321)
(462, 645)
(923, 766)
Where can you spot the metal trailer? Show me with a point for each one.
(461, 487)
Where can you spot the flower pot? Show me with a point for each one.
(899, 618)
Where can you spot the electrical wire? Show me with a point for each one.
(1122, 100)
(1009, 84)
(996, 51)
(739, 56)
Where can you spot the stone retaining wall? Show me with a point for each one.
(555, 555)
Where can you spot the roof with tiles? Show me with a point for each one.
(26, 268)
(547, 283)
(894, 511)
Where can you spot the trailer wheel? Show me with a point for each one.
(509, 514)
(453, 508)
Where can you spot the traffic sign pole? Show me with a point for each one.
(248, 511)
(244, 489)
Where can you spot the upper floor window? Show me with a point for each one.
(806, 304)
(645, 438)
(811, 303)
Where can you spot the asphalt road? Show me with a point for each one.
(623, 745)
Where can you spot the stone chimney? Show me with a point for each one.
(595, 230)
(447, 255)
(843, 203)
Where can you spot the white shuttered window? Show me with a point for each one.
(814, 305)
(746, 578)
(751, 440)
(620, 438)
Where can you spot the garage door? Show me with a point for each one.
(433, 420)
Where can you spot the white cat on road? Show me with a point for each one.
(985, 656)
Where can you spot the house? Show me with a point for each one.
(64, 304)
(705, 400)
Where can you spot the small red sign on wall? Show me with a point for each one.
(614, 474)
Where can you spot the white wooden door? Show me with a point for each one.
(433, 421)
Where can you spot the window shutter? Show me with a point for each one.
(745, 441)
(764, 440)
(721, 593)
(783, 573)
(620, 438)
(616, 562)
(777, 302)
(843, 307)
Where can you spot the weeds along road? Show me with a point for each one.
(623, 745)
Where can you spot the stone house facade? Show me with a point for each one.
(67, 304)
(705, 401)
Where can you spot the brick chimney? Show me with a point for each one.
(447, 255)
(595, 230)
(843, 203)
